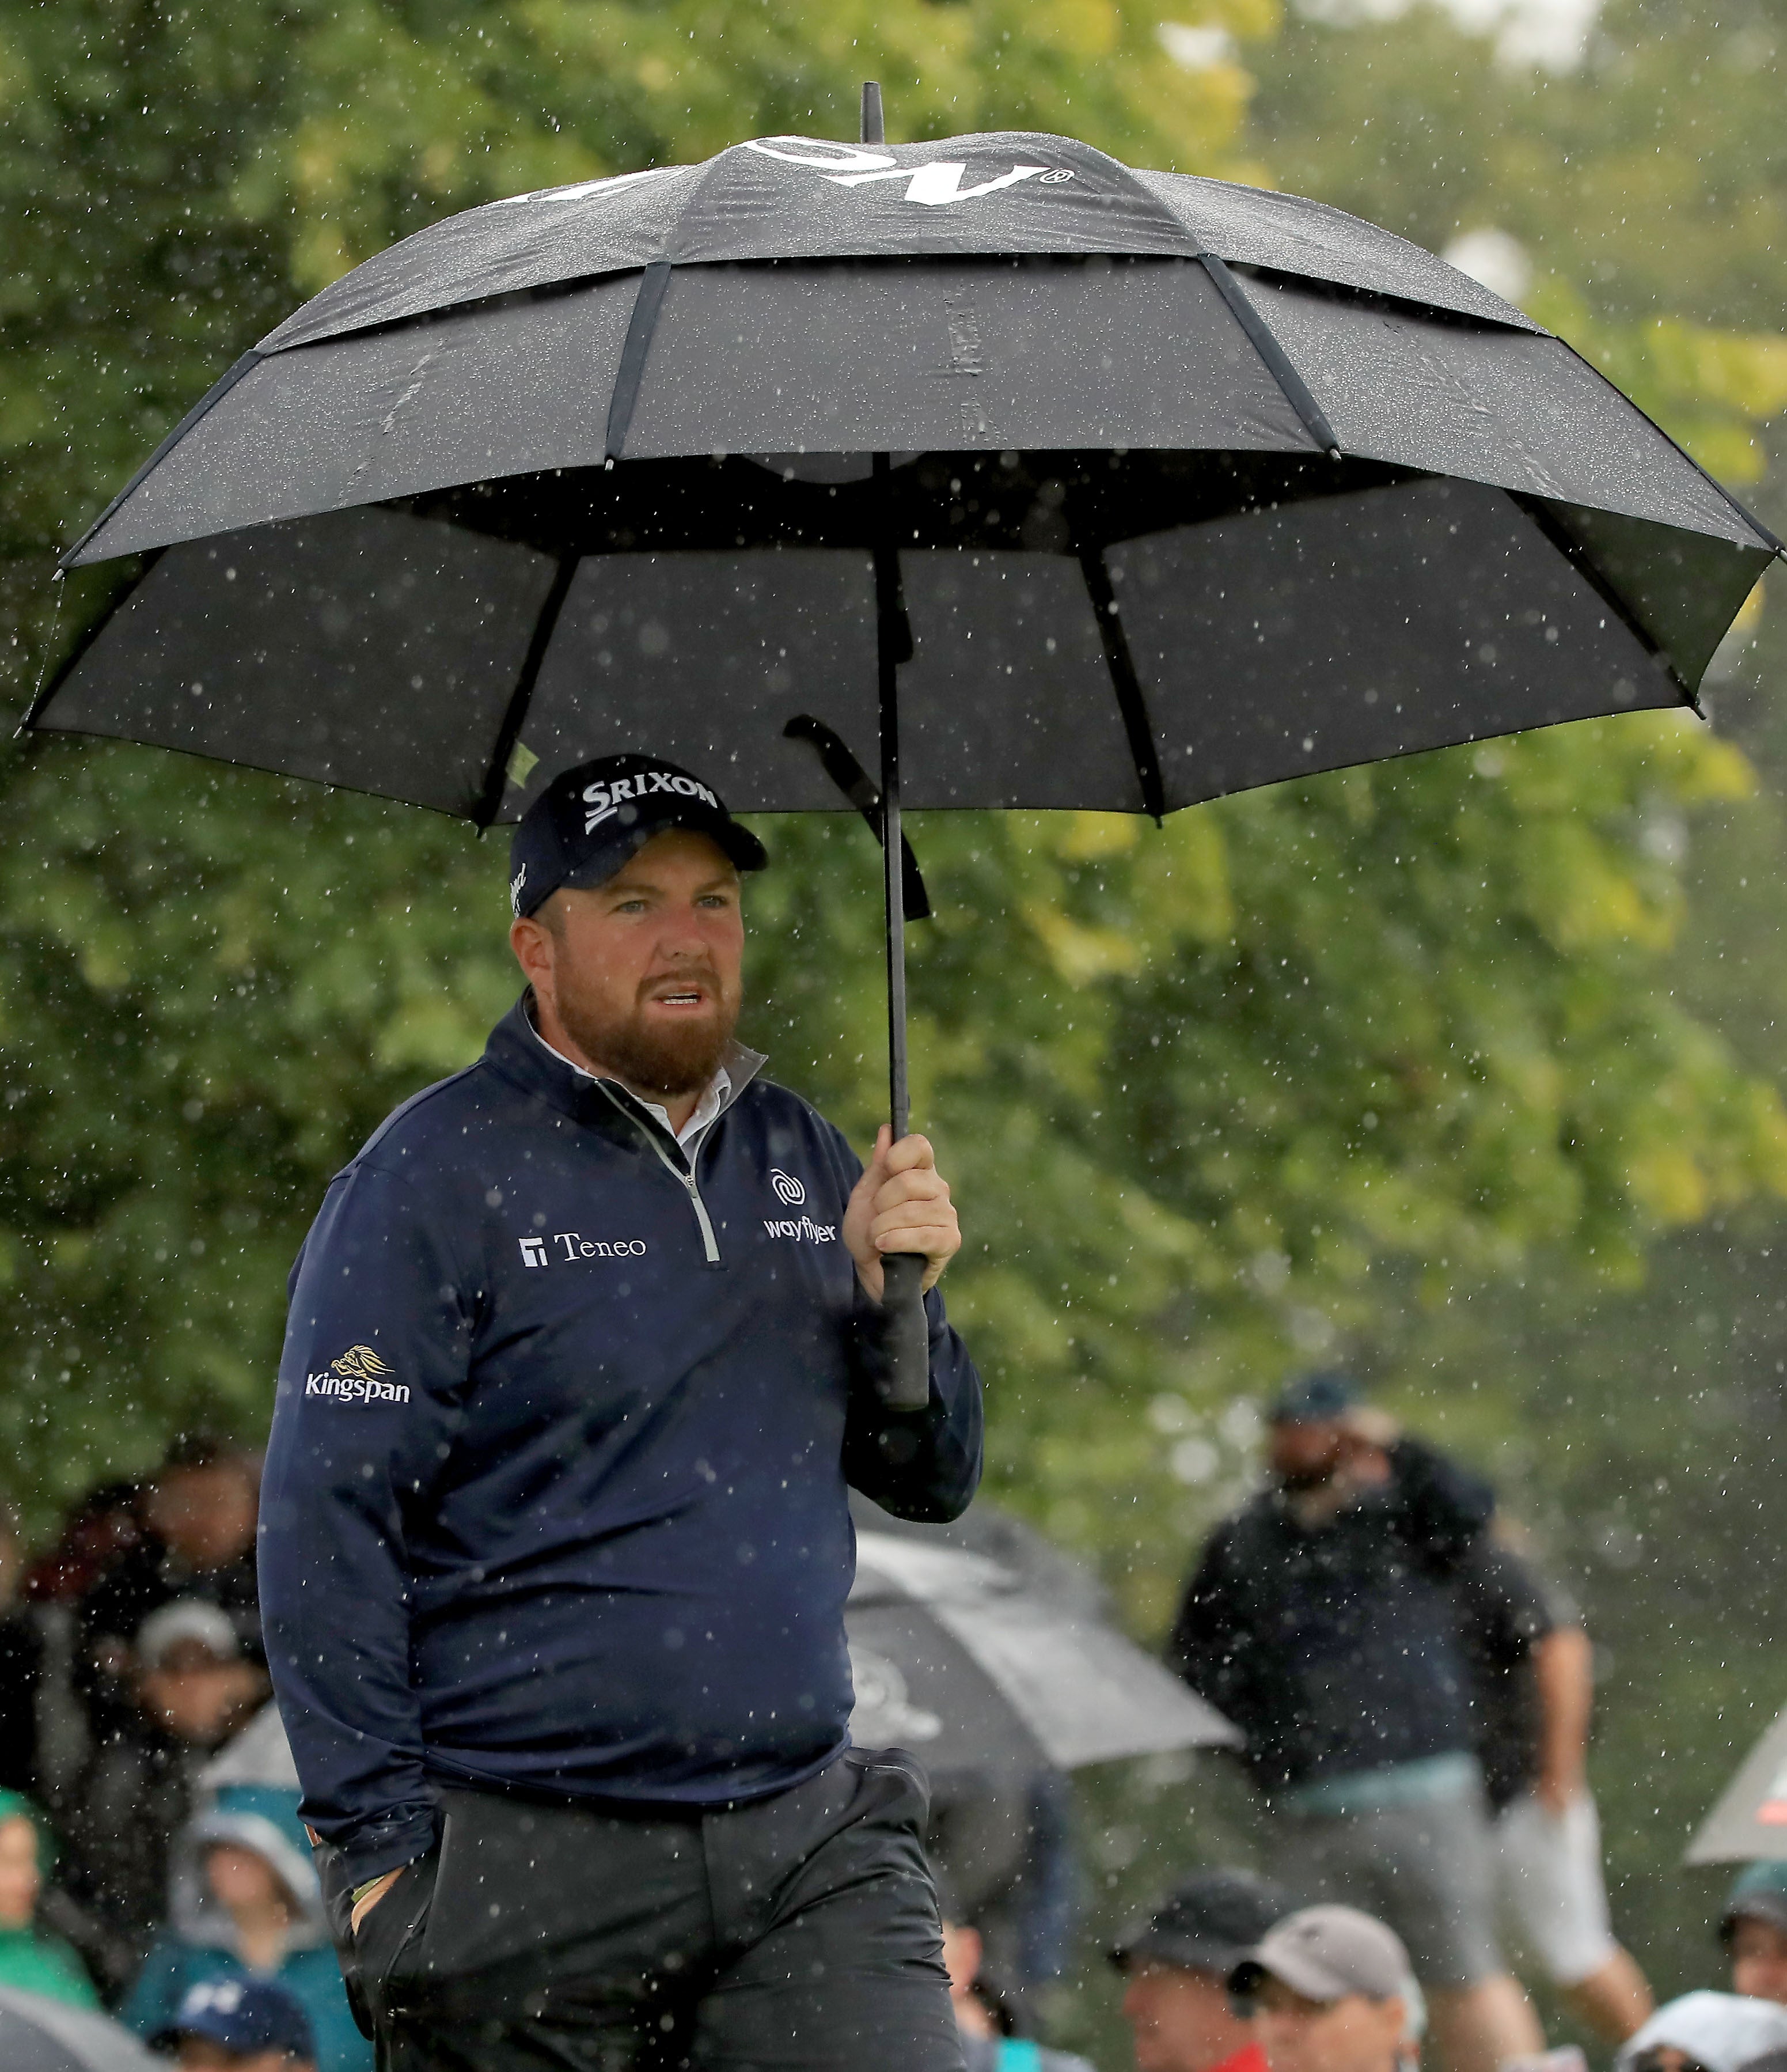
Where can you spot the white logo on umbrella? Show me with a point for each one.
(938, 185)
(885, 1716)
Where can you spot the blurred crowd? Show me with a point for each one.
(1415, 1698)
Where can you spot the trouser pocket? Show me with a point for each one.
(378, 1957)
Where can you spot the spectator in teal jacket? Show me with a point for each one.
(245, 1902)
(31, 1960)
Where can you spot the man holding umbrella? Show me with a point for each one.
(581, 1358)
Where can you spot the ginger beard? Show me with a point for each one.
(667, 1056)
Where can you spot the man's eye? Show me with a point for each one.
(713, 899)
(629, 906)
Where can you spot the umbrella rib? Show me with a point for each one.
(653, 281)
(1131, 701)
(1278, 362)
(496, 777)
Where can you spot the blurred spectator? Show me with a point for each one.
(245, 1905)
(1177, 1964)
(99, 1532)
(985, 2018)
(197, 1541)
(31, 1960)
(21, 1664)
(1705, 2032)
(1532, 1681)
(1320, 1619)
(1006, 1855)
(239, 2025)
(1753, 1930)
(192, 1688)
(1333, 1992)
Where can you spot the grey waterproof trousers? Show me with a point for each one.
(796, 1933)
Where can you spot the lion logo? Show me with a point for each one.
(360, 1364)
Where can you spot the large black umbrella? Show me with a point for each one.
(1048, 482)
(40, 2035)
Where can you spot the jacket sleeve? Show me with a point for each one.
(1442, 1506)
(377, 1354)
(918, 1464)
(923, 1464)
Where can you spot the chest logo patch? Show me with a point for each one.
(789, 1190)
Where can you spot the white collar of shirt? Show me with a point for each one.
(718, 1092)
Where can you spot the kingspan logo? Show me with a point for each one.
(937, 185)
(357, 1376)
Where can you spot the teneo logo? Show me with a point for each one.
(533, 1252)
(788, 1189)
(357, 1376)
(804, 1229)
(576, 1246)
(938, 185)
(604, 800)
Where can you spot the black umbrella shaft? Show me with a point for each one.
(890, 651)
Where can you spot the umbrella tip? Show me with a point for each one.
(874, 127)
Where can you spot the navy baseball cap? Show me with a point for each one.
(1314, 1399)
(247, 2015)
(1208, 1923)
(589, 821)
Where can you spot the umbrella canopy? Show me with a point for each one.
(1194, 487)
(1064, 484)
(40, 2035)
(987, 1681)
(1750, 1819)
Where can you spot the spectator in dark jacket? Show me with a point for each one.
(193, 1688)
(1321, 1620)
(1532, 1690)
(196, 1542)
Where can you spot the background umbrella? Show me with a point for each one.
(988, 1678)
(40, 2035)
(1062, 483)
(1750, 1819)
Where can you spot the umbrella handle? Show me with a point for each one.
(903, 1380)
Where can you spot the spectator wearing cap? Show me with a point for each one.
(195, 1545)
(239, 2025)
(1333, 1991)
(580, 1368)
(245, 1902)
(1176, 1965)
(1753, 1929)
(1532, 1694)
(1706, 2033)
(190, 1689)
(1320, 1619)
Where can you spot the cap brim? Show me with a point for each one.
(1310, 1980)
(1188, 1953)
(737, 845)
(1767, 1906)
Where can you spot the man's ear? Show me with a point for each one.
(531, 941)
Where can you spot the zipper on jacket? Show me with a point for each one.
(683, 1175)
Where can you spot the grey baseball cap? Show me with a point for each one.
(1329, 1953)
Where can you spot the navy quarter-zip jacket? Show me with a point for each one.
(555, 1501)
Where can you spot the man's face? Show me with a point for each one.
(1181, 2021)
(1350, 2035)
(20, 1877)
(1759, 1960)
(1303, 1455)
(643, 972)
(196, 1697)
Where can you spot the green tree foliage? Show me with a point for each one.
(1206, 1090)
